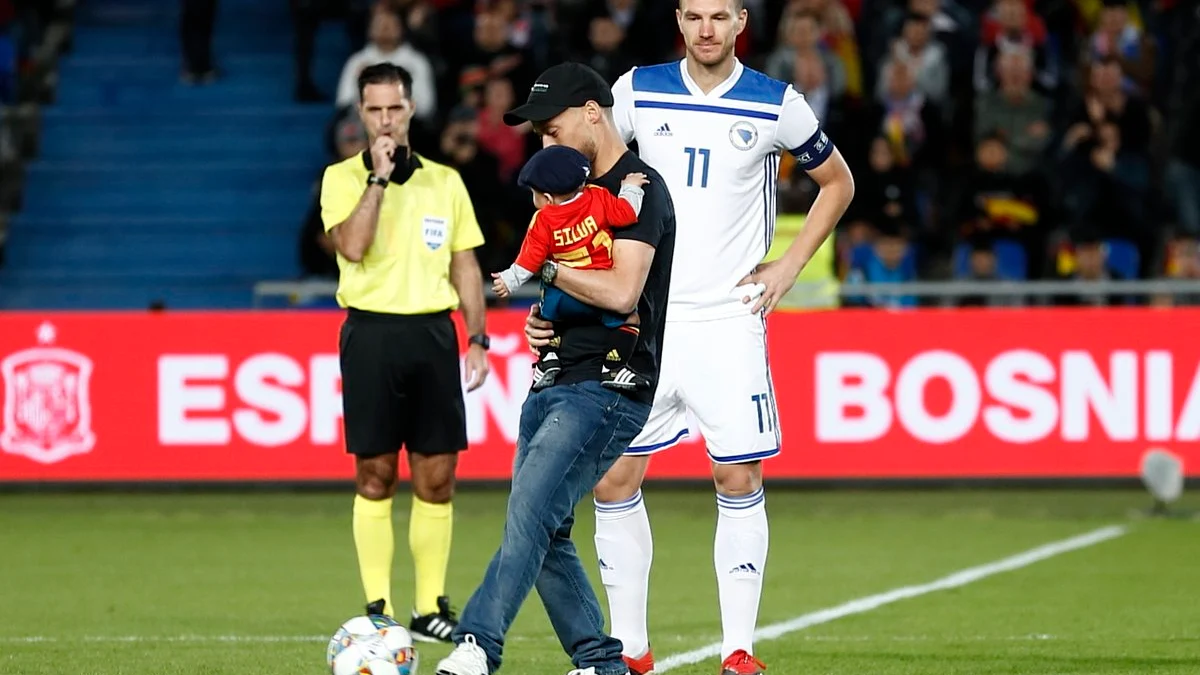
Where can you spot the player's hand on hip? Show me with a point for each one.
(538, 331)
(381, 156)
(477, 367)
(774, 279)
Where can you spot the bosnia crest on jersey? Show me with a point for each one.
(743, 135)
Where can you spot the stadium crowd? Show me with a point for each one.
(990, 138)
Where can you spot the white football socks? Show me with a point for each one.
(740, 557)
(625, 549)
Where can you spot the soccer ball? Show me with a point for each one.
(372, 645)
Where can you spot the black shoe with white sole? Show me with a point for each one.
(435, 627)
(545, 370)
(623, 379)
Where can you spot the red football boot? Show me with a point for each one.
(643, 665)
(741, 663)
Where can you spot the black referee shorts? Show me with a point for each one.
(401, 384)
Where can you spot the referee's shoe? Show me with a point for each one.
(436, 627)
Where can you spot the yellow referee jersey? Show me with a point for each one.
(407, 268)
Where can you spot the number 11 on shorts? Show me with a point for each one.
(762, 406)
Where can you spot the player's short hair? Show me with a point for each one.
(385, 73)
(737, 4)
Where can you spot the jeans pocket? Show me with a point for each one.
(624, 424)
(605, 399)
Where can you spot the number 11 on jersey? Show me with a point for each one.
(691, 177)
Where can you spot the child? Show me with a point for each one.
(573, 226)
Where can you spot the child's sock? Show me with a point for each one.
(621, 343)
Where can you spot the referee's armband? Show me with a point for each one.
(812, 153)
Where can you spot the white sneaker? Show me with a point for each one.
(466, 659)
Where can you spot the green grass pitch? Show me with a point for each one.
(232, 584)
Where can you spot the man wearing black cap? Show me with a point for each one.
(715, 130)
(573, 431)
(574, 226)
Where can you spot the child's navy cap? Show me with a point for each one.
(556, 170)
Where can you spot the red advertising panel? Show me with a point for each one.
(922, 394)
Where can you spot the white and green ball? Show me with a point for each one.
(372, 645)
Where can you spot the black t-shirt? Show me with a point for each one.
(585, 344)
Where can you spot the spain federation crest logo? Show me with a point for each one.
(47, 410)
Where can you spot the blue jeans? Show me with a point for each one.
(557, 305)
(570, 436)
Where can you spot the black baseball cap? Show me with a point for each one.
(567, 85)
(557, 170)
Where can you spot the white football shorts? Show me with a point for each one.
(719, 371)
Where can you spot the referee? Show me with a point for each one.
(405, 233)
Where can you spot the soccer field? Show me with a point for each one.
(212, 584)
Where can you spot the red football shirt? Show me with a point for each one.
(577, 233)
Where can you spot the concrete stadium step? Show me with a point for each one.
(76, 70)
(186, 119)
(147, 272)
(168, 176)
(50, 202)
(134, 11)
(264, 35)
(134, 95)
(170, 225)
(146, 188)
(100, 248)
(128, 297)
(241, 147)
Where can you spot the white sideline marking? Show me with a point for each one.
(201, 639)
(167, 638)
(861, 605)
(771, 632)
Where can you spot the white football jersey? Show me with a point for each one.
(719, 155)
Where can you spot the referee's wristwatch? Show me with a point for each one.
(481, 340)
(372, 179)
(549, 271)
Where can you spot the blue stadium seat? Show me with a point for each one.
(1123, 258)
(145, 188)
(960, 261)
(8, 68)
(1012, 264)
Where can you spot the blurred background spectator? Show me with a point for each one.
(1009, 24)
(887, 258)
(318, 257)
(984, 132)
(8, 52)
(1023, 130)
(388, 43)
(1014, 112)
(196, 23)
(1002, 203)
(307, 16)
